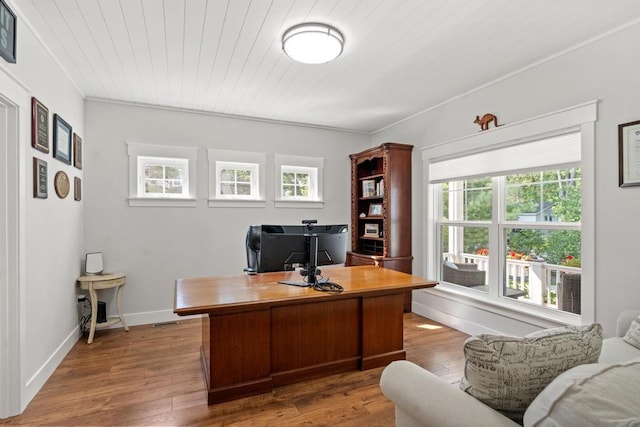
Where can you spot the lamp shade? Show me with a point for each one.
(312, 43)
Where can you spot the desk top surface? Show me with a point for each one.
(241, 292)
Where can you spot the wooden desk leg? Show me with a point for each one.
(119, 307)
(93, 295)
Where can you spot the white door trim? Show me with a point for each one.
(13, 110)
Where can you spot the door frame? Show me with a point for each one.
(13, 109)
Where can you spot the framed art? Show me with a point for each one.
(61, 139)
(77, 190)
(371, 230)
(77, 151)
(375, 209)
(39, 178)
(61, 184)
(39, 126)
(8, 43)
(368, 188)
(629, 154)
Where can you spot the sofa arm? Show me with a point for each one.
(423, 399)
(624, 321)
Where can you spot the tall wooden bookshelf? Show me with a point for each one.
(381, 208)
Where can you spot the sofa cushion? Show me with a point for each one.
(507, 373)
(615, 350)
(589, 395)
(633, 334)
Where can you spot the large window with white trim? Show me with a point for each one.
(521, 231)
(510, 217)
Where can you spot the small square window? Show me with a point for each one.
(298, 181)
(161, 175)
(236, 178)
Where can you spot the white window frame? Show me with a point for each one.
(578, 118)
(314, 166)
(256, 162)
(144, 161)
(140, 154)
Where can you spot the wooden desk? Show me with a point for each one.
(258, 334)
(95, 282)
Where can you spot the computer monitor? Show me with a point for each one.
(285, 247)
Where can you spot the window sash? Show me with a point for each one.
(252, 168)
(297, 171)
(145, 162)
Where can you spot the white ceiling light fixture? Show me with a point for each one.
(312, 43)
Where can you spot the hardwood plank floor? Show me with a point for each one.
(151, 376)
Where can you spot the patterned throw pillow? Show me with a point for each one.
(632, 336)
(507, 373)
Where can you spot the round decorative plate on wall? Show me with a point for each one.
(61, 184)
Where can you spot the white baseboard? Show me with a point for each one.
(463, 325)
(150, 317)
(35, 383)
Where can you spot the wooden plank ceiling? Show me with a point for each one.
(225, 56)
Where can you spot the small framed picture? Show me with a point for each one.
(368, 188)
(77, 189)
(39, 126)
(375, 209)
(371, 230)
(629, 154)
(61, 139)
(39, 178)
(77, 151)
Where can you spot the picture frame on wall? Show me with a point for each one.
(61, 184)
(39, 126)
(40, 177)
(61, 139)
(629, 154)
(77, 151)
(77, 189)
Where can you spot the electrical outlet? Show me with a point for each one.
(81, 298)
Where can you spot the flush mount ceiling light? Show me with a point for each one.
(312, 43)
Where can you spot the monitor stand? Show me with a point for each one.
(312, 271)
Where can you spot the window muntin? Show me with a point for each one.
(237, 180)
(298, 183)
(540, 222)
(163, 177)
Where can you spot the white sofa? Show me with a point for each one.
(423, 399)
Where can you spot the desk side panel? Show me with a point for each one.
(239, 355)
(382, 329)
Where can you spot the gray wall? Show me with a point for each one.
(156, 245)
(604, 70)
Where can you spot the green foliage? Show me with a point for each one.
(542, 196)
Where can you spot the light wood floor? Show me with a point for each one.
(151, 376)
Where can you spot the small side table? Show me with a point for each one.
(95, 282)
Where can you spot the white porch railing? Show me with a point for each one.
(538, 280)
